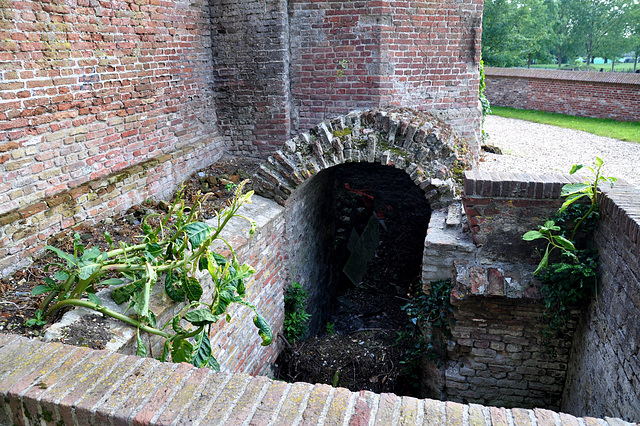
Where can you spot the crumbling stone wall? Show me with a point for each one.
(102, 105)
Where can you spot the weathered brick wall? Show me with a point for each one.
(354, 54)
(250, 56)
(603, 370)
(499, 356)
(60, 384)
(101, 106)
(581, 93)
(604, 373)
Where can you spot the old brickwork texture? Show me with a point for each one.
(102, 105)
(586, 94)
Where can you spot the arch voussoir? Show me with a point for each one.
(427, 149)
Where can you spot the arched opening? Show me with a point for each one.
(358, 232)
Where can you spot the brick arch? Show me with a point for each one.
(427, 149)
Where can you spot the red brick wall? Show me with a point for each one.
(422, 55)
(586, 94)
(101, 104)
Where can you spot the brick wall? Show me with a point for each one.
(602, 370)
(580, 93)
(353, 54)
(250, 56)
(278, 66)
(101, 106)
(60, 384)
(604, 373)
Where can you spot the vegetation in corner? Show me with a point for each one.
(296, 318)
(429, 319)
(174, 248)
(484, 102)
(622, 130)
(570, 279)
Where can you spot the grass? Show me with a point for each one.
(620, 67)
(623, 130)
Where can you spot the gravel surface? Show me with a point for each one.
(541, 148)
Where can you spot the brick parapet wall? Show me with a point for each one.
(580, 93)
(110, 99)
(603, 371)
(605, 349)
(55, 383)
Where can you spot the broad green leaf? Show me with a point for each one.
(220, 259)
(142, 297)
(599, 162)
(575, 168)
(565, 243)
(122, 294)
(50, 282)
(213, 364)
(573, 188)
(91, 254)
(142, 348)
(192, 288)
(154, 249)
(181, 351)
(202, 353)
(87, 269)
(175, 293)
(41, 289)
(61, 254)
(198, 232)
(61, 276)
(570, 200)
(242, 272)
(200, 317)
(111, 281)
(94, 299)
(532, 235)
(263, 329)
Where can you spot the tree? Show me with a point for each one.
(515, 32)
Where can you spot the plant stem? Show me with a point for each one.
(109, 312)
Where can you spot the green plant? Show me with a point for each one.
(571, 279)
(429, 320)
(230, 187)
(296, 317)
(331, 328)
(174, 249)
(484, 102)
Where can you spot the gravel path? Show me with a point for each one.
(538, 148)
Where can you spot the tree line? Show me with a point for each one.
(522, 32)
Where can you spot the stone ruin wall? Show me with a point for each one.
(106, 104)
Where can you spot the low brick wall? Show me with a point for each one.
(581, 93)
(54, 383)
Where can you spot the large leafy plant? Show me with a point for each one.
(571, 279)
(175, 248)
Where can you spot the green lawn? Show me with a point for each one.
(623, 130)
(620, 67)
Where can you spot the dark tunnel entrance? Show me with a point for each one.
(373, 242)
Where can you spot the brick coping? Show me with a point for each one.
(53, 382)
(584, 76)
